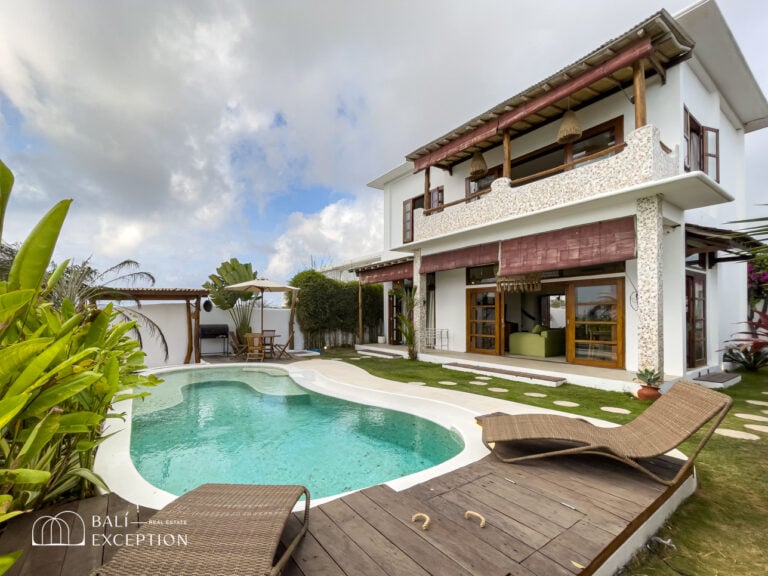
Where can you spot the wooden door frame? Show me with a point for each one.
(570, 333)
(498, 349)
(690, 339)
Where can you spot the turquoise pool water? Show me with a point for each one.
(237, 425)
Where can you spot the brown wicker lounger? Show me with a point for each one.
(664, 425)
(229, 528)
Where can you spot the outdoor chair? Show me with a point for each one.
(255, 347)
(229, 529)
(269, 342)
(281, 350)
(664, 425)
(238, 348)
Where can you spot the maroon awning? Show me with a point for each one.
(399, 271)
(587, 245)
(479, 255)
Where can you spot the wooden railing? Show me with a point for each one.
(543, 174)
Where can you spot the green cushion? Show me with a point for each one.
(537, 329)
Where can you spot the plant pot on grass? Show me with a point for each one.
(650, 380)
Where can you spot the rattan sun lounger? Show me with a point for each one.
(664, 425)
(230, 529)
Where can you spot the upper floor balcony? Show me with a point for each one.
(640, 159)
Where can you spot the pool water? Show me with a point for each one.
(249, 426)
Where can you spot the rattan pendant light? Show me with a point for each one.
(570, 129)
(477, 167)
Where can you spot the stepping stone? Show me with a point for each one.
(498, 390)
(615, 410)
(765, 392)
(535, 394)
(736, 434)
(447, 383)
(482, 377)
(565, 403)
(478, 383)
(752, 417)
(758, 402)
(757, 427)
(418, 383)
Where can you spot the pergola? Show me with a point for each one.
(191, 297)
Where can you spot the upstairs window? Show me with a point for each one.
(702, 147)
(475, 186)
(435, 201)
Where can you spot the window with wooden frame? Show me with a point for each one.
(474, 187)
(556, 158)
(702, 147)
(408, 207)
(436, 198)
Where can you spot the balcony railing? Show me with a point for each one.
(641, 158)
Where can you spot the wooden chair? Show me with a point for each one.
(269, 343)
(667, 423)
(255, 347)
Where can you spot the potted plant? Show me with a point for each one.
(650, 380)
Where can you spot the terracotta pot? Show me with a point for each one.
(648, 393)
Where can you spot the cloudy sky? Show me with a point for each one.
(190, 132)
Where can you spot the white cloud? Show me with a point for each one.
(339, 232)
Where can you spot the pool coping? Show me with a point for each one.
(454, 410)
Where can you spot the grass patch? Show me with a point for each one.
(720, 530)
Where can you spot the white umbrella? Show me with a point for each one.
(260, 285)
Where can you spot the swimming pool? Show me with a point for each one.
(246, 424)
(451, 410)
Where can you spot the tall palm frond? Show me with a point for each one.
(84, 286)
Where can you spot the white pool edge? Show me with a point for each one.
(115, 466)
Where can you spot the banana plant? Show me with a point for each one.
(60, 371)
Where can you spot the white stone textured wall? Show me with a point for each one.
(650, 287)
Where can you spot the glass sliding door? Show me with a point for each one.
(595, 312)
(483, 321)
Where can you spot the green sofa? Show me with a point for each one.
(550, 342)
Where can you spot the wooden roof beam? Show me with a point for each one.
(627, 57)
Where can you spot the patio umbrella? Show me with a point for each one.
(260, 285)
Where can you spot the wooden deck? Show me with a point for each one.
(553, 517)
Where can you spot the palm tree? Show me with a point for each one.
(84, 285)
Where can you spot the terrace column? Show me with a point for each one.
(650, 289)
(638, 83)
(419, 300)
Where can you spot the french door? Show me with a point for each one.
(483, 321)
(595, 327)
(696, 320)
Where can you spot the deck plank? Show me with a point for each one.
(396, 530)
(388, 556)
(463, 547)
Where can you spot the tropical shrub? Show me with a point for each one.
(327, 309)
(60, 370)
(405, 319)
(749, 349)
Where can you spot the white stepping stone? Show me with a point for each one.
(447, 383)
(757, 427)
(765, 392)
(478, 383)
(418, 383)
(752, 417)
(535, 394)
(498, 390)
(615, 410)
(758, 402)
(482, 377)
(736, 434)
(565, 403)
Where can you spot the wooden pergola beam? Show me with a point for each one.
(641, 49)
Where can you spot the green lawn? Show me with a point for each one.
(721, 530)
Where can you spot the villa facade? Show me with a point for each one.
(587, 210)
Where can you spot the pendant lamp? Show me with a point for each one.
(570, 129)
(477, 167)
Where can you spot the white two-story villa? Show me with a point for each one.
(582, 219)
